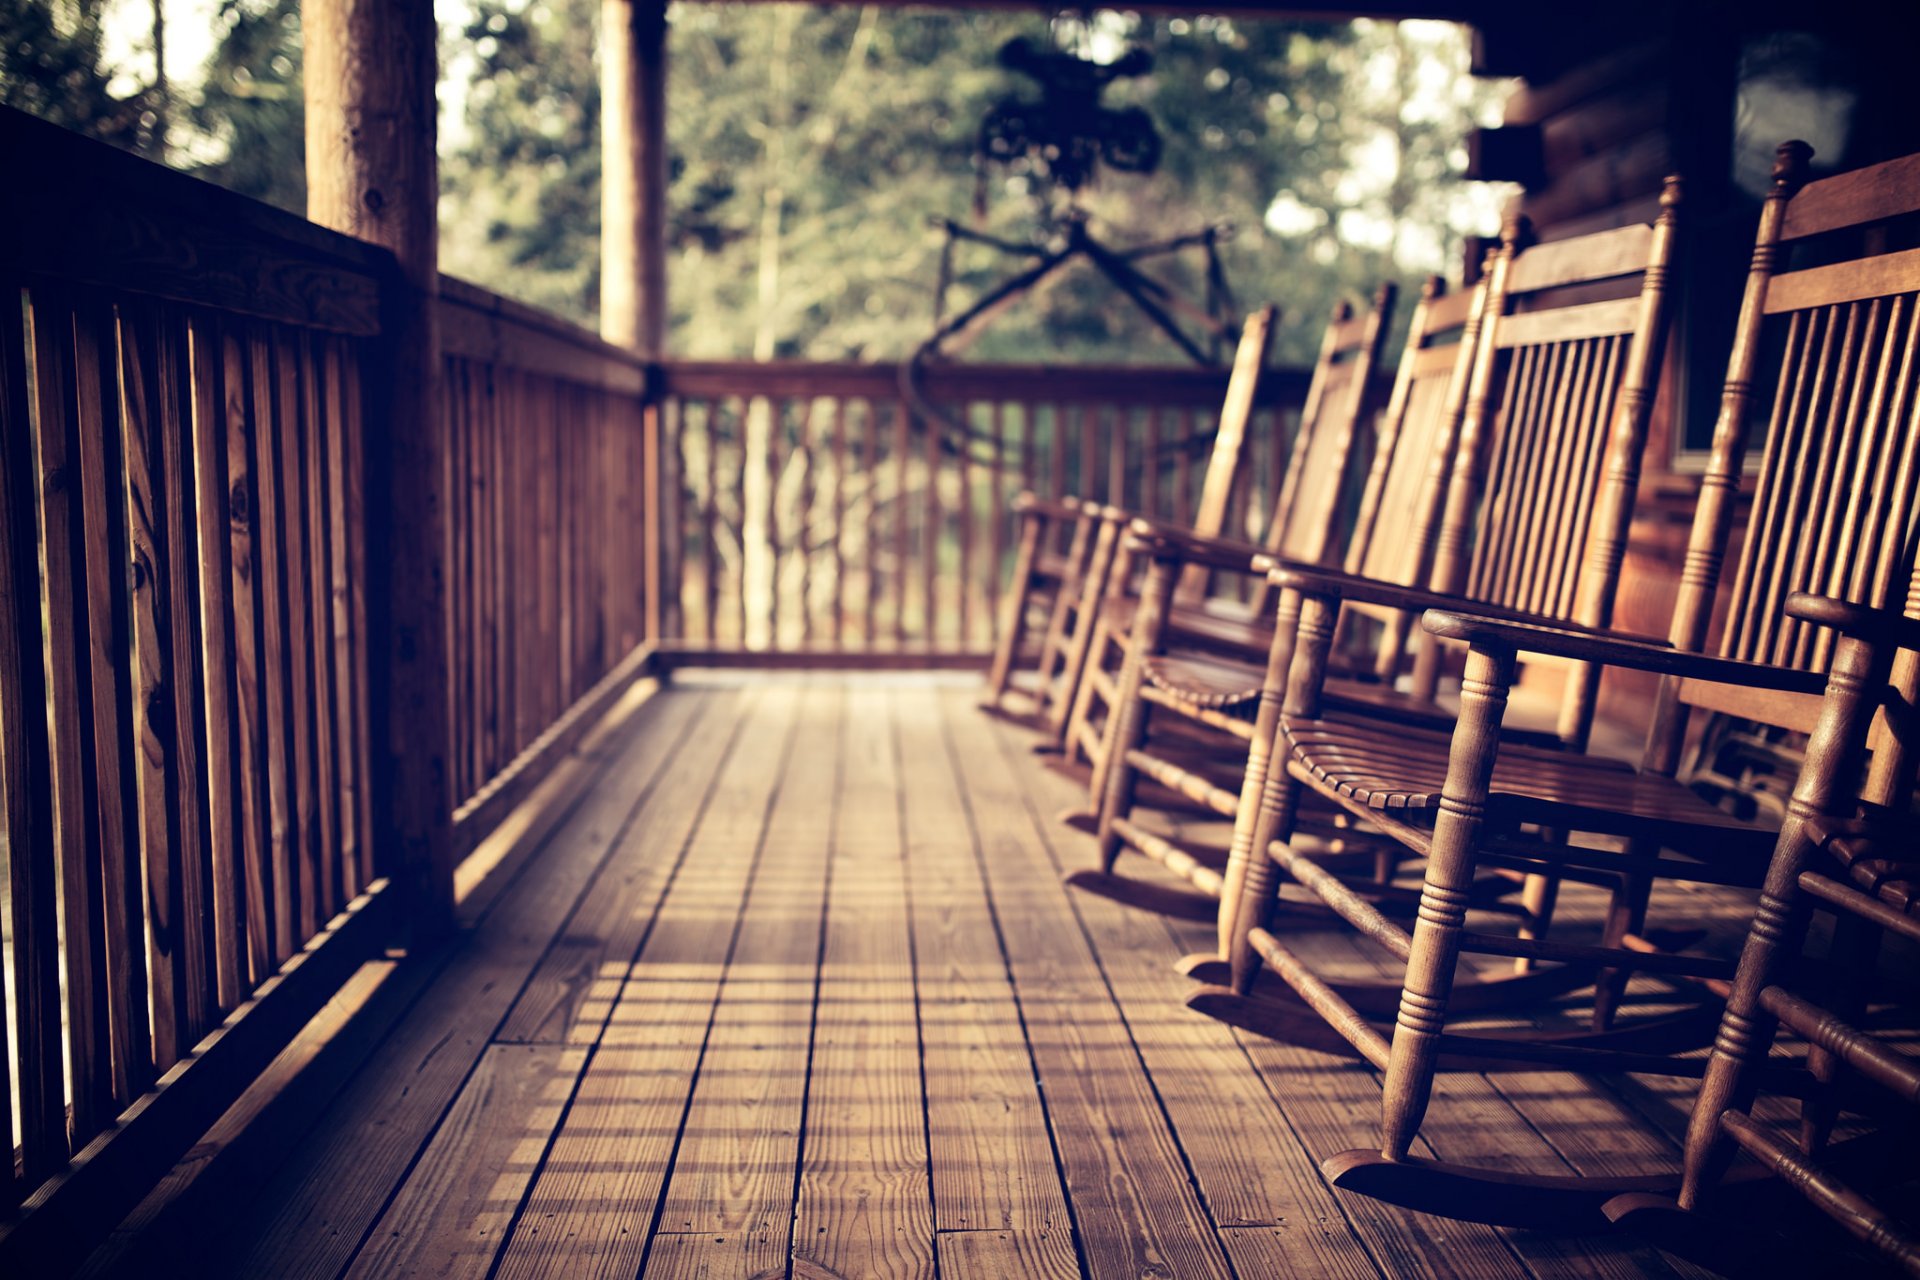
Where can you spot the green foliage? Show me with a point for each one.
(249, 112)
(51, 66)
(520, 173)
(811, 146)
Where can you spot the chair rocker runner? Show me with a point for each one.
(1308, 514)
(1392, 536)
(1067, 585)
(1834, 512)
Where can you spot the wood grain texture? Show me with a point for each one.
(451, 1215)
(312, 1215)
(992, 1160)
(863, 1206)
(575, 983)
(592, 1205)
(989, 1255)
(733, 1175)
(1134, 1207)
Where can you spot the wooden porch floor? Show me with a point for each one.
(795, 988)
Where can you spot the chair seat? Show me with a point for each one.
(1234, 687)
(1401, 769)
(1871, 854)
(1215, 625)
(1205, 682)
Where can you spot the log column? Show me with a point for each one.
(633, 243)
(372, 173)
(633, 174)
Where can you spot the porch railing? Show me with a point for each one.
(551, 535)
(190, 865)
(818, 510)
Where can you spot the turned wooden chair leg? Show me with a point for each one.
(1065, 694)
(1443, 899)
(1246, 850)
(1127, 717)
(1779, 929)
(1072, 738)
(1304, 630)
(1745, 1035)
(1626, 914)
(1013, 609)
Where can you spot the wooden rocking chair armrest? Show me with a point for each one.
(1168, 542)
(1616, 650)
(1877, 626)
(1332, 583)
(1029, 503)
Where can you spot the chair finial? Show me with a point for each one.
(1790, 162)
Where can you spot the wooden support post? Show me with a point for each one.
(372, 173)
(633, 182)
(633, 240)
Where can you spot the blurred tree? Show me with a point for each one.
(811, 146)
(249, 115)
(52, 65)
(520, 168)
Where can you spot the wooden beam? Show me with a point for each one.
(372, 173)
(633, 167)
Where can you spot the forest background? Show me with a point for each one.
(811, 148)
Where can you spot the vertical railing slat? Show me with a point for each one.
(102, 481)
(149, 557)
(27, 770)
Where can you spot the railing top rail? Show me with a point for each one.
(479, 324)
(119, 221)
(1044, 383)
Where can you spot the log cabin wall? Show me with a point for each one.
(1605, 109)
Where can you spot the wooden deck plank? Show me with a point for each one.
(683, 1256)
(729, 1202)
(453, 1211)
(997, 1255)
(864, 1206)
(992, 1159)
(591, 1205)
(568, 998)
(1250, 1167)
(1134, 1206)
(311, 1217)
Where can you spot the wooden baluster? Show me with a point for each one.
(902, 518)
(106, 554)
(932, 527)
(807, 455)
(318, 639)
(997, 528)
(27, 772)
(227, 829)
(269, 684)
(966, 511)
(290, 488)
(837, 532)
(142, 442)
(88, 1048)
